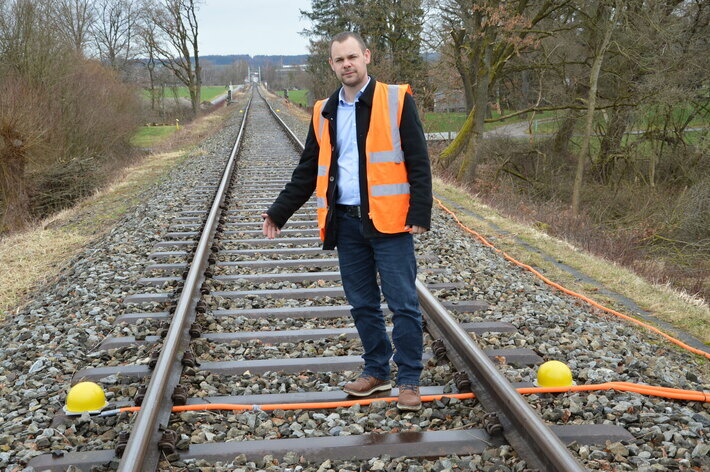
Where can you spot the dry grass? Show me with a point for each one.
(28, 257)
(680, 309)
(33, 257)
(291, 108)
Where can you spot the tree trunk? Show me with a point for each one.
(591, 104)
(198, 83)
(151, 78)
(470, 160)
(458, 38)
(467, 91)
(460, 141)
(524, 89)
(610, 145)
(560, 143)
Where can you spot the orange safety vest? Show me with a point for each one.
(387, 184)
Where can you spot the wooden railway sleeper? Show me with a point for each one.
(179, 396)
(492, 424)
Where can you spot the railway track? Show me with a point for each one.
(261, 329)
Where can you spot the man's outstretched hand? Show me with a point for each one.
(269, 229)
(414, 229)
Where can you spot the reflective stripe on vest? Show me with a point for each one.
(322, 132)
(388, 187)
(387, 183)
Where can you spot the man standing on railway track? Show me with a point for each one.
(366, 158)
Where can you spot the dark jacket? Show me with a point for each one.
(416, 158)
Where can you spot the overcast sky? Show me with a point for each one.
(252, 27)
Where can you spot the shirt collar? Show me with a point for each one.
(341, 95)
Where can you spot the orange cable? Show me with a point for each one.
(651, 390)
(570, 292)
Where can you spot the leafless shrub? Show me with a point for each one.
(24, 137)
(56, 109)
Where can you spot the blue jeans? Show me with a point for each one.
(393, 257)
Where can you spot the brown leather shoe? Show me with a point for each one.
(409, 398)
(366, 385)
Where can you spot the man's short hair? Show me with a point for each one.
(340, 37)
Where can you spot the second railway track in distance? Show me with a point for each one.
(266, 327)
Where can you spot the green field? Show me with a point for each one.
(298, 97)
(653, 117)
(148, 136)
(207, 92)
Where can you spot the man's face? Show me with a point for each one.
(349, 62)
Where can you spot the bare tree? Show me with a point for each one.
(175, 43)
(74, 20)
(147, 32)
(115, 32)
(605, 21)
(485, 37)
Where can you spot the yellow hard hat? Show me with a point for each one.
(85, 396)
(554, 374)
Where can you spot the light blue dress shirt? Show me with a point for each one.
(348, 155)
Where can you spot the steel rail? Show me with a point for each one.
(141, 452)
(524, 429)
(531, 438)
(290, 133)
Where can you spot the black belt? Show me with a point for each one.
(350, 210)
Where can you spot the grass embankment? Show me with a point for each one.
(149, 136)
(299, 97)
(34, 257)
(679, 309)
(207, 92)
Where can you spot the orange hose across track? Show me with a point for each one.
(650, 390)
(570, 292)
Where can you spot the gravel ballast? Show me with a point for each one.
(55, 334)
